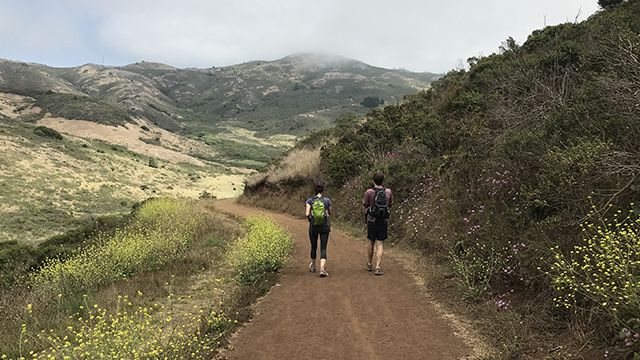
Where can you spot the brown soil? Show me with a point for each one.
(350, 315)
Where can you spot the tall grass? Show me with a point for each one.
(160, 233)
(265, 249)
(130, 332)
(133, 328)
(298, 163)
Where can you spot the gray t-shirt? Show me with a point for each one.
(327, 207)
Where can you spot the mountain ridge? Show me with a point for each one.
(270, 97)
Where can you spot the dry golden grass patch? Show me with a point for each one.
(50, 184)
(244, 136)
(130, 137)
(298, 163)
(13, 106)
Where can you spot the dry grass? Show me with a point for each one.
(172, 148)
(199, 283)
(49, 186)
(244, 136)
(13, 106)
(297, 164)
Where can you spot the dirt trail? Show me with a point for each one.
(350, 315)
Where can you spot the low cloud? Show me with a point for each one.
(416, 35)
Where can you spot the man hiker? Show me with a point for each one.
(377, 202)
(317, 210)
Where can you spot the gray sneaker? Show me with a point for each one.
(378, 272)
(324, 273)
(312, 267)
(369, 267)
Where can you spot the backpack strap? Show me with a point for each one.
(379, 190)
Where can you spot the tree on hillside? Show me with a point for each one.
(605, 4)
(371, 101)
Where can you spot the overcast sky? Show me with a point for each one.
(419, 35)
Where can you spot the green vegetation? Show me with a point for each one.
(494, 170)
(135, 332)
(71, 106)
(265, 249)
(157, 286)
(602, 273)
(16, 259)
(50, 187)
(241, 154)
(372, 101)
(47, 132)
(609, 3)
(160, 233)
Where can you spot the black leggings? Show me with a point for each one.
(323, 232)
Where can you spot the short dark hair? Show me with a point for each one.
(378, 178)
(318, 186)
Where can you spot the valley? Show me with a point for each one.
(152, 130)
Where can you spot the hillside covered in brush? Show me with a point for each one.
(292, 95)
(520, 175)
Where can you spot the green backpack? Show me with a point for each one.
(318, 212)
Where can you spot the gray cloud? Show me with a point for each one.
(417, 35)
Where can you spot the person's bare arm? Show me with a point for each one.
(365, 201)
(307, 210)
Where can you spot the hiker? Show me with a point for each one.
(317, 210)
(377, 202)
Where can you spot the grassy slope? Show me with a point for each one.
(495, 166)
(261, 96)
(291, 96)
(193, 298)
(49, 186)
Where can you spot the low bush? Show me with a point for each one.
(47, 132)
(160, 233)
(602, 274)
(265, 249)
(132, 332)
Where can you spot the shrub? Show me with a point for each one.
(134, 333)
(206, 195)
(342, 163)
(474, 268)
(47, 132)
(159, 234)
(603, 272)
(265, 249)
(605, 4)
(371, 101)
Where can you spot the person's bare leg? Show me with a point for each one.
(323, 262)
(370, 252)
(379, 250)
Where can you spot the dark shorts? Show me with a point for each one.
(377, 230)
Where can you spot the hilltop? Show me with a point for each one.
(293, 95)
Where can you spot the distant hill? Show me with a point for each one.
(293, 95)
(149, 129)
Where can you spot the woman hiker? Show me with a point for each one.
(317, 210)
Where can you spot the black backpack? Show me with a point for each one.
(380, 207)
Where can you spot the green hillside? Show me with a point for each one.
(520, 176)
(292, 95)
